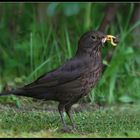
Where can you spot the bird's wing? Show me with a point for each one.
(67, 72)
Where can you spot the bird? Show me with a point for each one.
(72, 80)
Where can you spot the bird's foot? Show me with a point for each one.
(70, 130)
(65, 130)
(74, 128)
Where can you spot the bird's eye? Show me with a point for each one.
(94, 38)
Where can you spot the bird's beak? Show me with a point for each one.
(104, 40)
(112, 39)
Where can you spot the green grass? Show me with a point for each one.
(115, 121)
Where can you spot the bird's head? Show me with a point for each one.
(94, 40)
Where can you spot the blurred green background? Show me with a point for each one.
(38, 37)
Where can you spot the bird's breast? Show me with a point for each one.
(92, 75)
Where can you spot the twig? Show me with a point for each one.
(109, 15)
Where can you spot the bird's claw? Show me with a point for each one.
(68, 130)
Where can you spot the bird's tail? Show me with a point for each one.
(14, 92)
(28, 93)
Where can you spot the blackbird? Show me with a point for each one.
(74, 79)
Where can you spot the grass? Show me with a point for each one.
(115, 121)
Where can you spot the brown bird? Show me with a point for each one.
(74, 79)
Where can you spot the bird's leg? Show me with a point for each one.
(61, 111)
(69, 113)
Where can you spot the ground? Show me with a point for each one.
(91, 121)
